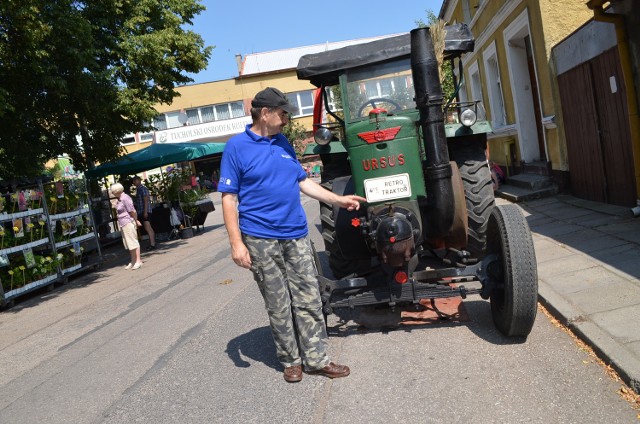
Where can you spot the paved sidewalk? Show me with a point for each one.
(588, 257)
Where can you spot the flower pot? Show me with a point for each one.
(186, 233)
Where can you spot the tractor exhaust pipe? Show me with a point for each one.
(437, 169)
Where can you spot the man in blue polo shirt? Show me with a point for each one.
(260, 182)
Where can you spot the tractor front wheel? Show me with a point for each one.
(514, 275)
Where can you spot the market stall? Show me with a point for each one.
(47, 234)
(156, 156)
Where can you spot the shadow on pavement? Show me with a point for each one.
(256, 345)
(607, 233)
(483, 327)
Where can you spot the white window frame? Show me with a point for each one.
(378, 88)
(466, 11)
(201, 114)
(462, 92)
(228, 105)
(476, 88)
(294, 98)
(158, 118)
(129, 136)
(194, 119)
(172, 116)
(494, 87)
(146, 136)
(331, 98)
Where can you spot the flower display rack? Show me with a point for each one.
(47, 234)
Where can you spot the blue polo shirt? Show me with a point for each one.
(265, 174)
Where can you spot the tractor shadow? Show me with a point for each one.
(448, 313)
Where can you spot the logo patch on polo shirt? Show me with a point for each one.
(286, 156)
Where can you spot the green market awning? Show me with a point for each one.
(155, 156)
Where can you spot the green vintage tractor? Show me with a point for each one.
(430, 228)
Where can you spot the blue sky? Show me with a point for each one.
(251, 26)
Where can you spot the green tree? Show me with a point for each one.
(296, 134)
(76, 76)
(446, 73)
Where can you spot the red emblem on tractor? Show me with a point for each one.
(376, 136)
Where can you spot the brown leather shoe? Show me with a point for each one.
(333, 371)
(293, 374)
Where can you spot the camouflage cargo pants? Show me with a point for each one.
(286, 275)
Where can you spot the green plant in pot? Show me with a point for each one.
(189, 199)
(167, 186)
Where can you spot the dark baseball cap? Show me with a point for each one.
(272, 97)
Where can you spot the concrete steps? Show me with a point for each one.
(523, 187)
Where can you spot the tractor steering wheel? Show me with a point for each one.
(372, 102)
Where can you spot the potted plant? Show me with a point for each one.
(196, 203)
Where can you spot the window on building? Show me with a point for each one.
(160, 122)
(331, 99)
(193, 117)
(466, 11)
(494, 87)
(145, 137)
(228, 111)
(207, 114)
(303, 100)
(237, 109)
(462, 94)
(372, 89)
(129, 139)
(476, 89)
(386, 87)
(204, 114)
(222, 112)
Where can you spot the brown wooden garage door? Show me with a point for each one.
(595, 115)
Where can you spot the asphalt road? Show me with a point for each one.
(185, 339)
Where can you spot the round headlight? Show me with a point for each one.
(468, 117)
(322, 136)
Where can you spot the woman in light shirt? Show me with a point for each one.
(128, 222)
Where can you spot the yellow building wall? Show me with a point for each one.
(556, 21)
(237, 89)
(232, 90)
(550, 21)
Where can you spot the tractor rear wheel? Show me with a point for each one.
(514, 299)
(470, 156)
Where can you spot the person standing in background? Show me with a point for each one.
(128, 223)
(143, 208)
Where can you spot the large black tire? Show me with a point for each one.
(514, 302)
(470, 156)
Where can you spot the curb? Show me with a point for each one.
(608, 349)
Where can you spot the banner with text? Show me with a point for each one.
(216, 129)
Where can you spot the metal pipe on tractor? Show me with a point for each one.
(440, 211)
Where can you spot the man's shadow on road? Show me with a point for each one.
(256, 345)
